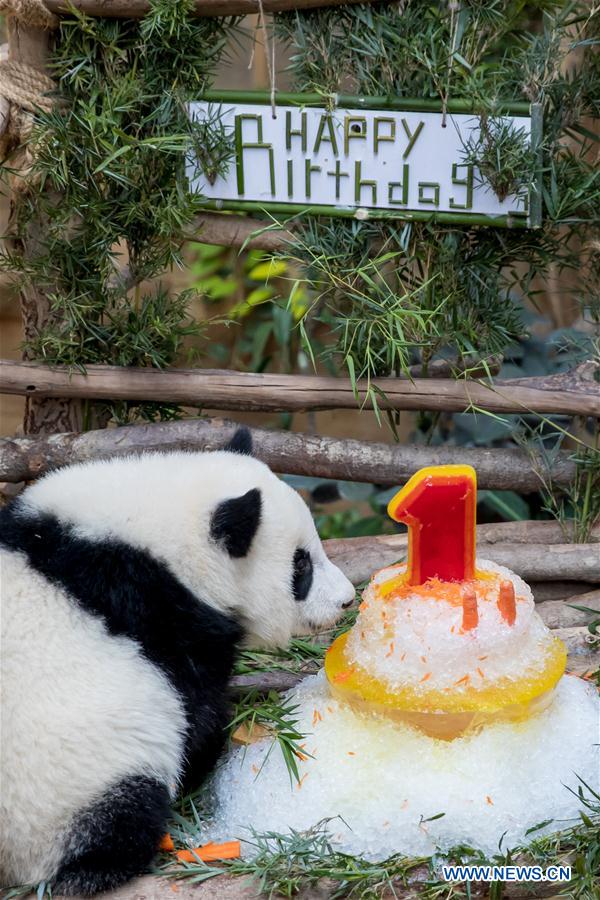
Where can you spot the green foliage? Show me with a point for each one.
(502, 155)
(262, 296)
(401, 294)
(111, 185)
(277, 715)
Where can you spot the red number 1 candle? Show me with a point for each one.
(439, 506)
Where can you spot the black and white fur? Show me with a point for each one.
(127, 586)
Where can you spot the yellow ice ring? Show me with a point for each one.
(446, 714)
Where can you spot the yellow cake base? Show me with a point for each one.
(447, 713)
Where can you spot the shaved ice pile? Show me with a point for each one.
(385, 780)
(388, 787)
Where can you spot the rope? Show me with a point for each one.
(30, 12)
(269, 56)
(454, 7)
(25, 86)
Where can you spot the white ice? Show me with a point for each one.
(385, 780)
(419, 639)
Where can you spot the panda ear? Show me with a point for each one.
(235, 522)
(241, 442)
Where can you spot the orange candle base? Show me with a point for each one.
(447, 715)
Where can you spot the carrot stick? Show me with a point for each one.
(166, 843)
(506, 602)
(211, 852)
(470, 617)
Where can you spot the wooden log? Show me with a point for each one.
(238, 231)
(360, 557)
(559, 590)
(136, 9)
(43, 415)
(570, 393)
(22, 459)
(563, 613)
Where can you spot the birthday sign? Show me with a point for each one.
(352, 161)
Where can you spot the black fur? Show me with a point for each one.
(138, 597)
(302, 577)
(241, 442)
(115, 838)
(235, 522)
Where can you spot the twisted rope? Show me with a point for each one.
(30, 12)
(24, 87)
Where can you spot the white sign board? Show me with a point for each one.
(351, 160)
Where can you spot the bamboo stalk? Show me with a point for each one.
(23, 459)
(569, 393)
(136, 9)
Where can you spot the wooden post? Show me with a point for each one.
(43, 415)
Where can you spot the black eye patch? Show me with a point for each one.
(303, 574)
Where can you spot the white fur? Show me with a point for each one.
(163, 503)
(106, 711)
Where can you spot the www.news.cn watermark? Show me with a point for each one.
(506, 873)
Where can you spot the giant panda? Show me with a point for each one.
(127, 586)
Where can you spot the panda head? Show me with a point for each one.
(266, 542)
(233, 533)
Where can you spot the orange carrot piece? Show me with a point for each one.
(489, 801)
(166, 843)
(463, 680)
(211, 852)
(426, 676)
(470, 616)
(391, 650)
(479, 672)
(506, 602)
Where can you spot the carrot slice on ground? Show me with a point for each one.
(166, 843)
(211, 852)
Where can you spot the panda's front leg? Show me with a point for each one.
(115, 838)
(206, 739)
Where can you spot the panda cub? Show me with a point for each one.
(127, 587)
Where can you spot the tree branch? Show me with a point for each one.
(136, 9)
(570, 393)
(22, 459)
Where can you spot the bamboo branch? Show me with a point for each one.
(570, 393)
(22, 459)
(136, 9)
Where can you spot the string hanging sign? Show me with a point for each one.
(364, 157)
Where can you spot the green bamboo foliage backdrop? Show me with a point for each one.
(377, 296)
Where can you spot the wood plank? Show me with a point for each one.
(569, 393)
